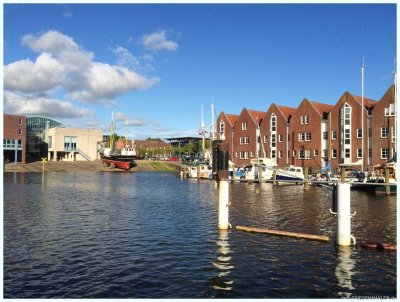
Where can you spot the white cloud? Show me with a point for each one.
(31, 77)
(129, 120)
(158, 41)
(23, 105)
(62, 63)
(125, 58)
(104, 82)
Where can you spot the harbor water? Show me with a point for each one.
(154, 235)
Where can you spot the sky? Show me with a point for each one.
(153, 66)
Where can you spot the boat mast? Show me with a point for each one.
(212, 119)
(112, 131)
(395, 109)
(202, 129)
(362, 116)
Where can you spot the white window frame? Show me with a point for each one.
(280, 153)
(301, 137)
(359, 155)
(334, 153)
(265, 139)
(273, 122)
(304, 119)
(307, 154)
(359, 133)
(384, 132)
(280, 138)
(222, 127)
(383, 151)
(244, 126)
(315, 152)
(393, 134)
(307, 136)
(334, 135)
(347, 153)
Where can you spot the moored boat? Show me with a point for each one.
(290, 174)
(378, 176)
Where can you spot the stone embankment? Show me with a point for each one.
(90, 166)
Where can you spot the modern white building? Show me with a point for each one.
(73, 144)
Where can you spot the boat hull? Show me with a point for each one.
(120, 162)
(288, 178)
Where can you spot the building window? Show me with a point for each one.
(294, 153)
(347, 136)
(384, 153)
(334, 135)
(359, 133)
(307, 154)
(70, 143)
(273, 122)
(288, 137)
(222, 127)
(301, 137)
(251, 154)
(347, 153)
(316, 152)
(393, 134)
(273, 140)
(244, 140)
(236, 154)
(389, 111)
(280, 137)
(325, 153)
(50, 142)
(308, 136)
(334, 153)
(273, 154)
(325, 135)
(359, 153)
(280, 154)
(20, 131)
(346, 114)
(265, 139)
(304, 119)
(301, 154)
(244, 126)
(20, 121)
(384, 132)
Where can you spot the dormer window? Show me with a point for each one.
(389, 111)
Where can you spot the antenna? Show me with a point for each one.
(362, 116)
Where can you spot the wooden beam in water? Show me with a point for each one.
(283, 233)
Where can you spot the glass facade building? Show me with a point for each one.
(36, 127)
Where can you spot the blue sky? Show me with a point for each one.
(154, 65)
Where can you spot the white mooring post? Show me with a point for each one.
(223, 205)
(344, 236)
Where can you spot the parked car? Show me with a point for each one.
(173, 158)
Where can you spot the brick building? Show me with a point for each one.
(14, 139)
(309, 133)
(383, 127)
(246, 135)
(151, 148)
(226, 124)
(346, 134)
(275, 136)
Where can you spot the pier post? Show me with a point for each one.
(260, 174)
(221, 174)
(344, 236)
(223, 205)
(274, 177)
(342, 174)
(387, 186)
(305, 184)
(198, 172)
(233, 173)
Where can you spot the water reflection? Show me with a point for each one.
(223, 263)
(345, 270)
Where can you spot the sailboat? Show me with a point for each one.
(123, 158)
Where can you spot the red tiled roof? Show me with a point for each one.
(257, 115)
(147, 144)
(367, 102)
(286, 111)
(232, 118)
(321, 107)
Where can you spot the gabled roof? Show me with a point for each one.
(232, 118)
(286, 111)
(257, 115)
(321, 107)
(367, 102)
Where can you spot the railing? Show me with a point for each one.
(83, 154)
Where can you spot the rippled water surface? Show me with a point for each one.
(153, 235)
